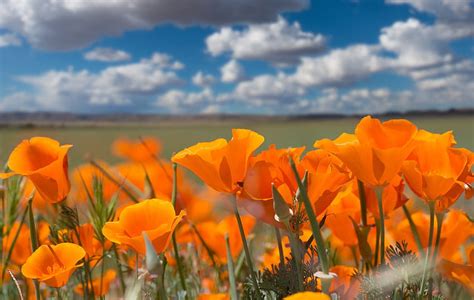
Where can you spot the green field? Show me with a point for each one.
(95, 141)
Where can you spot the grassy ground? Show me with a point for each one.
(95, 141)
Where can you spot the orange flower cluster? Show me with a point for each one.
(379, 202)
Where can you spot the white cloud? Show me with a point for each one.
(107, 55)
(9, 39)
(280, 43)
(341, 66)
(18, 101)
(268, 88)
(178, 101)
(203, 80)
(65, 25)
(416, 44)
(232, 72)
(123, 85)
(453, 17)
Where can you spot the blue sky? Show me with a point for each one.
(218, 56)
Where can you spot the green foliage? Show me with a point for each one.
(279, 281)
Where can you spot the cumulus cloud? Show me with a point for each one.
(232, 72)
(178, 101)
(453, 17)
(9, 39)
(107, 55)
(76, 24)
(341, 66)
(123, 85)
(268, 88)
(203, 80)
(280, 43)
(18, 101)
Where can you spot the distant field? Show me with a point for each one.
(95, 141)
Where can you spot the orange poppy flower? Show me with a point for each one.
(39, 203)
(53, 264)
(220, 164)
(269, 167)
(344, 207)
(463, 274)
(457, 230)
(308, 296)
(437, 172)
(214, 235)
(141, 150)
(44, 161)
(376, 151)
(100, 286)
(156, 217)
(326, 177)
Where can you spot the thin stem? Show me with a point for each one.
(354, 255)
(280, 246)
(414, 230)
(124, 186)
(439, 220)
(231, 271)
(246, 248)
(119, 268)
(102, 269)
(297, 257)
(163, 293)
(34, 242)
(179, 263)
(12, 246)
(382, 228)
(377, 240)
(428, 251)
(136, 264)
(363, 202)
(321, 246)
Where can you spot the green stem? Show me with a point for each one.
(382, 228)
(162, 289)
(297, 257)
(280, 246)
(179, 263)
(102, 269)
(431, 205)
(354, 255)
(321, 246)
(414, 230)
(439, 219)
(230, 269)
(12, 246)
(246, 248)
(119, 269)
(34, 242)
(377, 240)
(363, 202)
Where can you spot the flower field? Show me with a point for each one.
(382, 211)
